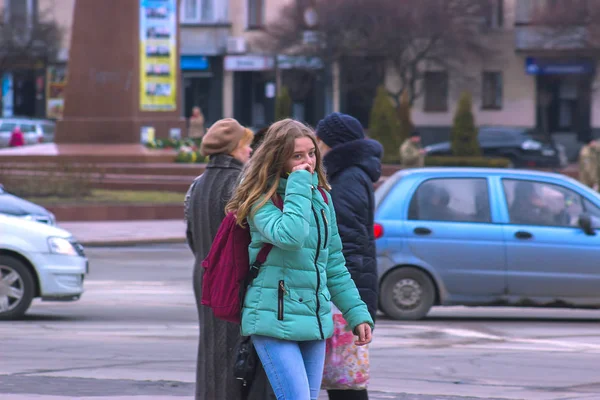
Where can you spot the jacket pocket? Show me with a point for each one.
(325, 224)
(280, 300)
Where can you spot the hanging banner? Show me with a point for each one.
(158, 38)
(7, 95)
(56, 82)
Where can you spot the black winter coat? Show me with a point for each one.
(205, 209)
(352, 169)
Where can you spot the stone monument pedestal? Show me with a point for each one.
(123, 75)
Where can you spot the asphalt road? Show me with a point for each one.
(133, 335)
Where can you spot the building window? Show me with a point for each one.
(198, 11)
(542, 204)
(256, 14)
(495, 14)
(491, 91)
(21, 13)
(436, 91)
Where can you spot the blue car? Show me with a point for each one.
(485, 237)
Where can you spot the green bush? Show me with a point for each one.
(406, 124)
(283, 104)
(385, 126)
(464, 131)
(186, 155)
(171, 143)
(455, 161)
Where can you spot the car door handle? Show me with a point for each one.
(523, 235)
(422, 231)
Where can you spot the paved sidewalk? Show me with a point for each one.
(123, 233)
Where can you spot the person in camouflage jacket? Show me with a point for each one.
(589, 165)
(412, 154)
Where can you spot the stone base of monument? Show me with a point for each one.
(113, 167)
(87, 153)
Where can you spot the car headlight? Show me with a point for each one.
(58, 245)
(531, 145)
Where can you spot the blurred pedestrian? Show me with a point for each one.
(287, 309)
(588, 164)
(258, 137)
(227, 144)
(17, 138)
(353, 165)
(412, 154)
(196, 129)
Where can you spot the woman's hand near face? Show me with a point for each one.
(303, 166)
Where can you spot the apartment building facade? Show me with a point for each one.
(32, 83)
(531, 82)
(232, 75)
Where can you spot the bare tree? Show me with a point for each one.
(568, 25)
(408, 36)
(24, 41)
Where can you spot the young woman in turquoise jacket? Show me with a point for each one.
(287, 309)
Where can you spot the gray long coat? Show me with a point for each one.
(205, 205)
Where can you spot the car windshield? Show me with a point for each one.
(502, 134)
(7, 126)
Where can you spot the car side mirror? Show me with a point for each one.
(585, 222)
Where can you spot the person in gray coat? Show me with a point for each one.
(227, 144)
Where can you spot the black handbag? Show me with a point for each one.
(246, 361)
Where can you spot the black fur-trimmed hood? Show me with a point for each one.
(365, 154)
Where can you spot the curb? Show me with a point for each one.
(131, 242)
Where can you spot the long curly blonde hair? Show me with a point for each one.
(262, 174)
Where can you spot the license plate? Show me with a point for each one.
(548, 152)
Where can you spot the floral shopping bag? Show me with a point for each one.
(346, 364)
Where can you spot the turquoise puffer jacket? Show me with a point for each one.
(305, 270)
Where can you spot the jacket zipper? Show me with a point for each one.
(326, 229)
(280, 294)
(317, 270)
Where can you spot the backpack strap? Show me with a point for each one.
(267, 247)
(324, 194)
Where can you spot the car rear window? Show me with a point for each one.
(48, 129)
(384, 189)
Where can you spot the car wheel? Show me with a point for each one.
(16, 288)
(407, 294)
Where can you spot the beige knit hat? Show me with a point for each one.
(222, 138)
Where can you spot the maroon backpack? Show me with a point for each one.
(227, 271)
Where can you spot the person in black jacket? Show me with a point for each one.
(353, 165)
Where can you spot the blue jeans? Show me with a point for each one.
(294, 369)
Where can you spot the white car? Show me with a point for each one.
(34, 130)
(37, 260)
